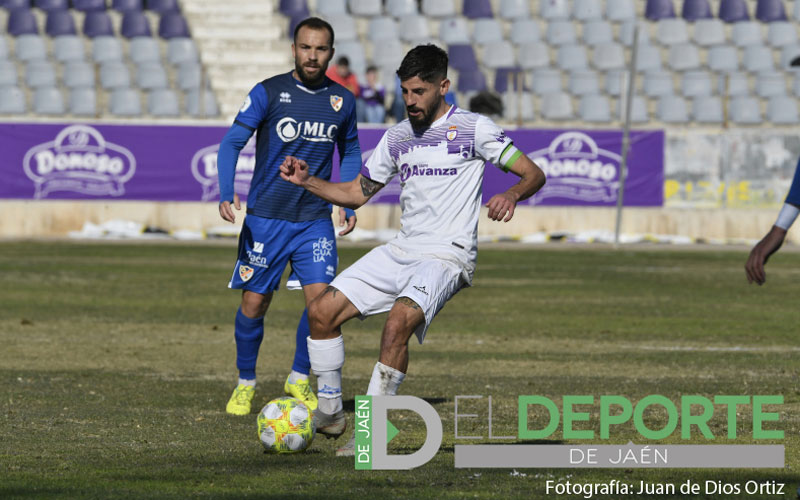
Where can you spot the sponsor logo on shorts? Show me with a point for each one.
(323, 248)
(245, 272)
(421, 289)
(258, 247)
(330, 271)
(256, 260)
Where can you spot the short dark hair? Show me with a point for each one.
(314, 23)
(428, 62)
(343, 61)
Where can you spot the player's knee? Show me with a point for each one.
(255, 305)
(319, 320)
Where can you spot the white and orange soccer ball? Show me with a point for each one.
(285, 425)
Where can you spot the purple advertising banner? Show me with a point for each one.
(179, 163)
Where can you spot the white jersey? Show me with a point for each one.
(441, 177)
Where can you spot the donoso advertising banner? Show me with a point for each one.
(179, 163)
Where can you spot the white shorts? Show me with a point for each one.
(379, 278)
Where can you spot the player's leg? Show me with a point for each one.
(326, 314)
(248, 332)
(257, 273)
(365, 288)
(314, 262)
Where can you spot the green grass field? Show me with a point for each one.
(116, 361)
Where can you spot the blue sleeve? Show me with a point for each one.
(233, 142)
(254, 109)
(349, 152)
(794, 192)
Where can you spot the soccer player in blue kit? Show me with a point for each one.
(297, 113)
(772, 241)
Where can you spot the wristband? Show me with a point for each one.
(787, 216)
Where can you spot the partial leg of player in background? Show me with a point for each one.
(249, 332)
(390, 370)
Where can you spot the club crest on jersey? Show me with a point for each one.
(336, 102)
(245, 272)
(452, 133)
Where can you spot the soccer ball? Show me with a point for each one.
(285, 426)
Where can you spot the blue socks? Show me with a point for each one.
(302, 364)
(249, 333)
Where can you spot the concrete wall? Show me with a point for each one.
(57, 218)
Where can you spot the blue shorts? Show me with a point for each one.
(267, 245)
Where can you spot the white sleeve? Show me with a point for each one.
(380, 166)
(493, 145)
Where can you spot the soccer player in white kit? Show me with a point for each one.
(439, 153)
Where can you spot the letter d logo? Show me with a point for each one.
(374, 431)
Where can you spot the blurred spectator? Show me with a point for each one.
(341, 74)
(370, 105)
(398, 109)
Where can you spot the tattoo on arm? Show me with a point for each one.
(329, 289)
(406, 301)
(369, 187)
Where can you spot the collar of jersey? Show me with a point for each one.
(444, 117)
(299, 84)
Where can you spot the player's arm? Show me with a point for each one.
(351, 194)
(501, 206)
(227, 157)
(349, 166)
(772, 241)
(247, 121)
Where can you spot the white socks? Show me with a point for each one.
(295, 376)
(327, 359)
(244, 381)
(385, 380)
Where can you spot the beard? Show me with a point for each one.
(305, 77)
(424, 120)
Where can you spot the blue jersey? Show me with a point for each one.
(291, 119)
(794, 192)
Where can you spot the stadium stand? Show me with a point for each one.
(87, 57)
(707, 53)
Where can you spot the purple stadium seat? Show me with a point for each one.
(470, 81)
(126, 5)
(97, 23)
(60, 22)
(696, 9)
(89, 5)
(293, 8)
(732, 11)
(22, 22)
(173, 25)
(15, 4)
(474, 9)
(768, 11)
(162, 5)
(659, 9)
(51, 4)
(501, 79)
(462, 57)
(134, 23)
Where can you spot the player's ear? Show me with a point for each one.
(444, 87)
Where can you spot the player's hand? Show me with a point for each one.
(754, 268)
(501, 207)
(225, 210)
(294, 170)
(351, 222)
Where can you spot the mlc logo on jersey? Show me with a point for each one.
(79, 160)
(288, 130)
